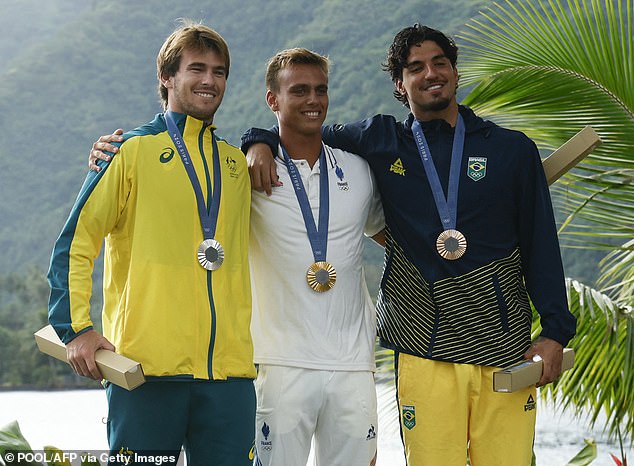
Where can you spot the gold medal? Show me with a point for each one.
(210, 254)
(451, 244)
(321, 276)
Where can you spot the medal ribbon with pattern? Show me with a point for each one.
(321, 275)
(210, 253)
(451, 244)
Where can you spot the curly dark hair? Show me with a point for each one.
(399, 51)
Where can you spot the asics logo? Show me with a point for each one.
(166, 155)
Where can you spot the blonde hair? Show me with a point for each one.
(289, 57)
(190, 36)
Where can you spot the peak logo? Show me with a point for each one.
(397, 167)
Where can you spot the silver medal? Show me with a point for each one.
(210, 254)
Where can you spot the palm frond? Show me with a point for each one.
(548, 68)
(618, 273)
(602, 380)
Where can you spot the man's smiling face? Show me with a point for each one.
(199, 85)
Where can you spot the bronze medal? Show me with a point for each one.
(210, 254)
(321, 276)
(451, 244)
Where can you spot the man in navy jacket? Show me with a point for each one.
(470, 236)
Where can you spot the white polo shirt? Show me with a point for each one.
(293, 325)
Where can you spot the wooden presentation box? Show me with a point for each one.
(526, 373)
(115, 368)
(570, 153)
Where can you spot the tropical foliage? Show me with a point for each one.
(12, 443)
(549, 68)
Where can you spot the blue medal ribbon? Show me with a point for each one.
(317, 235)
(208, 214)
(447, 208)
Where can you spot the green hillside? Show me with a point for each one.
(25, 24)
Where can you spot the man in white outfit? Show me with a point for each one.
(314, 324)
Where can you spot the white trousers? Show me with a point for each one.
(338, 408)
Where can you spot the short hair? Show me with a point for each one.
(190, 36)
(399, 51)
(289, 57)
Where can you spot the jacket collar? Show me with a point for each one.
(472, 122)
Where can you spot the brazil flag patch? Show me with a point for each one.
(477, 168)
(409, 416)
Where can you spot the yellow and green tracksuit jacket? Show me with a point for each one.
(161, 307)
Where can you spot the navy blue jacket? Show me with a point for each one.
(474, 309)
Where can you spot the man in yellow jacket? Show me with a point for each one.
(174, 211)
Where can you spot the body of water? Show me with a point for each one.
(75, 420)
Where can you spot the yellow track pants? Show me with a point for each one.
(449, 411)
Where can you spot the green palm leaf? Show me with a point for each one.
(585, 456)
(603, 377)
(550, 68)
(12, 441)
